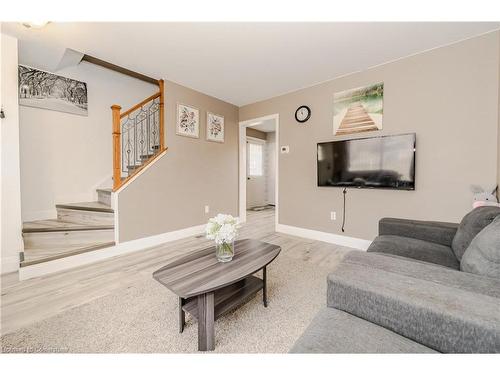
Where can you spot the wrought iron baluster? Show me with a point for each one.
(140, 136)
(148, 147)
(147, 127)
(135, 143)
(127, 145)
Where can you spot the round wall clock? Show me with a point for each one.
(303, 113)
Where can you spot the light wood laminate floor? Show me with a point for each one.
(25, 302)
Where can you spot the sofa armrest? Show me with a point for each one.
(432, 231)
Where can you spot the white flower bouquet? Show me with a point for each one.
(223, 229)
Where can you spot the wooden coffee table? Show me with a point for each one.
(207, 289)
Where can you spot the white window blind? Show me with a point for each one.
(255, 159)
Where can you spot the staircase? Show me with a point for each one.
(138, 136)
(138, 139)
(79, 228)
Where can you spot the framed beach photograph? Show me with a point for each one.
(41, 89)
(215, 127)
(188, 121)
(358, 110)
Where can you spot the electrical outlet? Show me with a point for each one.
(207, 209)
(333, 215)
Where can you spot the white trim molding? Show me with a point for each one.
(356, 243)
(62, 264)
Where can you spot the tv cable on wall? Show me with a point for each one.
(344, 192)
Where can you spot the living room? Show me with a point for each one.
(250, 187)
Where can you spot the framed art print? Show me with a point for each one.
(215, 127)
(188, 121)
(41, 89)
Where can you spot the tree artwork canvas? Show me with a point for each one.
(215, 127)
(49, 91)
(188, 121)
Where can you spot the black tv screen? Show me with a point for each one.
(386, 162)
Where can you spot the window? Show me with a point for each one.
(255, 159)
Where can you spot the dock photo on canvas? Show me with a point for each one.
(358, 110)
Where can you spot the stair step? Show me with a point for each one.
(55, 242)
(92, 213)
(146, 157)
(107, 191)
(104, 196)
(54, 225)
(36, 256)
(86, 206)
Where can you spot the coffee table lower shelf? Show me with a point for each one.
(227, 298)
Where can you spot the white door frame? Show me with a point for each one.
(243, 165)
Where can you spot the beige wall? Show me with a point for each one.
(11, 242)
(256, 133)
(64, 157)
(172, 194)
(447, 96)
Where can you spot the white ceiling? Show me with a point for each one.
(240, 63)
(266, 126)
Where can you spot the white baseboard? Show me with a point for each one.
(356, 243)
(123, 248)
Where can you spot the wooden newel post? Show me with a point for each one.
(161, 83)
(116, 146)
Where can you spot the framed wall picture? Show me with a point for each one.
(188, 121)
(358, 110)
(215, 127)
(41, 89)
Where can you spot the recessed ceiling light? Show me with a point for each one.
(35, 24)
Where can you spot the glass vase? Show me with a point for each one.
(224, 251)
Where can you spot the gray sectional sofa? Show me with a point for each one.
(410, 294)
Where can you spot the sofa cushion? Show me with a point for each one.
(483, 254)
(416, 249)
(335, 331)
(432, 231)
(472, 223)
(444, 309)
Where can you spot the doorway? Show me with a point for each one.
(257, 172)
(258, 165)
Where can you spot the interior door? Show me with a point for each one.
(256, 179)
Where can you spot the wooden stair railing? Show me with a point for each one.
(138, 136)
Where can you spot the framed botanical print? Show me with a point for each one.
(215, 127)
(188, 121)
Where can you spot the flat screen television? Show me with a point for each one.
(386, 162)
